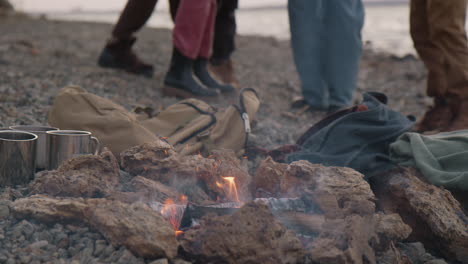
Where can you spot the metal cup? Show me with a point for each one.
(42, 153)
(66, 144)
(17, 157)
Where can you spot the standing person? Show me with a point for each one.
(118, 52)
(439, 36)
(327, 47)
(224, 40)
(193, 40)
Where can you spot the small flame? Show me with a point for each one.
(230, 188)
(171, 211)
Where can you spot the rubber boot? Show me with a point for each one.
(118, 54)
(437, 118)
(460, 118)
(200, 68)
(179, 81)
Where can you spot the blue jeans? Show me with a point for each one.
(327, 47)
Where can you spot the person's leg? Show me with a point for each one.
(429, 53)
(192, 23)
(224, 42)
(118, 50)
(201, 63)
(344, 20)
(306, 21)
(173, 6)
(447, 31)
(224, 31)
(439, 115)
(133, 18)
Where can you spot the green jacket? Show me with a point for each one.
(441, 158)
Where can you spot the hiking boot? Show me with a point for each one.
(179, 81)
(224, 71)
(460, 118)
(438, 117)
(118, 54)
(200, 68)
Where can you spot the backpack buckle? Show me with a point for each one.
(246, 119)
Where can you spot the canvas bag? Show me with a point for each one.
(190, 125)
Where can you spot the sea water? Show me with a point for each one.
(386, 27)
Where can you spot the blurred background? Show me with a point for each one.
(386, 29)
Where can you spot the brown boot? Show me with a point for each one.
(224, 71)
(460, 116)
(118, 54)
(437, 118)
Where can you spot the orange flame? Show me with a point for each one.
(172, 214)
(230, 188)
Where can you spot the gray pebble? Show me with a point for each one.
(4, 210)
(3, 258)
(39, 244)
(25, 259)
(10, 261)
(108, 251)
(72, 251)
(160, 261)
(99, 247)
(62, 253)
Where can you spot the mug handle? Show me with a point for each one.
(97, 145)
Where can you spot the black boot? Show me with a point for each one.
(200, 68)
(118, 54)
(179, 79)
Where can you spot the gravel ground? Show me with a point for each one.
(39, 56)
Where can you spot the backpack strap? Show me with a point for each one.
(197, 132)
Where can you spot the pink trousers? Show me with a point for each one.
(194, 28)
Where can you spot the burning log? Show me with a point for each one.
(138, 227)
(434, 214)
(86, 176)
(194, 213)
(250, 235)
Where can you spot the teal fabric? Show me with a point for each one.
(359, 140)
(441, 158)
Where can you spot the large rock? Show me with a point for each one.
(160, 162)
(88, 176)
(136, 226)
(434, 214)
(141, 189)
(251, 235)
(352, 231)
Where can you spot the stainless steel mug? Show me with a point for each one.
(66, 144)
(42, 152)
(17, 157)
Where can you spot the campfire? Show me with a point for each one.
(210, 210)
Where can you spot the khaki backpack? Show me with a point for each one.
(190, 125)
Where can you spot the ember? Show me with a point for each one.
(230, 189)
(174, 212)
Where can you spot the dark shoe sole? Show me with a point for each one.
(107, 61)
